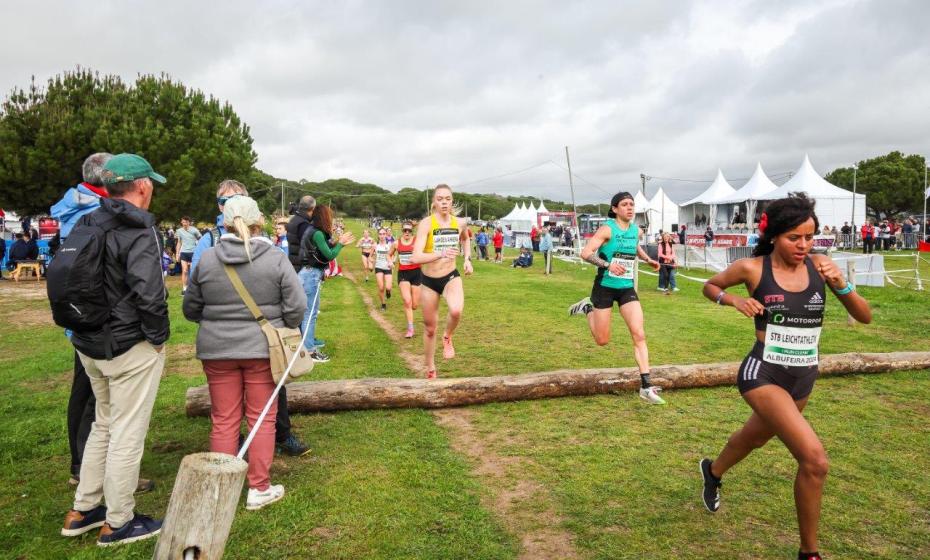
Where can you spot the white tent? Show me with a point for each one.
(519, 219)
(542, 208)
(662, 211)
(757, 185)
(834, 205)
(706, 201)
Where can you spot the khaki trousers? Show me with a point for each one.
(125, 388)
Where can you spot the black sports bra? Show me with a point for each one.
(775, 298)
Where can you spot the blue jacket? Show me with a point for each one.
(205, 243)
(76, 202)
(545, 244)
(481, 238)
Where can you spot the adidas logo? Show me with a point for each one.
(816, 298)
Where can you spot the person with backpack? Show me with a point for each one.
(106, 285)
(286, 441)
(78, 201)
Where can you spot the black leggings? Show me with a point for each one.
(81, 414)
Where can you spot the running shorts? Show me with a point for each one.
(412, 276)
(383, 270)
(187, 257)
(604, 298)
(438, 285)
(754, 372)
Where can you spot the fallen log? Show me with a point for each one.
(363, 394)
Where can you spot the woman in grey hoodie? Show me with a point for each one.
(230, 343)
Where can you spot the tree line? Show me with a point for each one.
(197, 141)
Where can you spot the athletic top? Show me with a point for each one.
(189, 237)
(406, 252)
(792, 320)
(620, 249)
(382, 250)
(365, 245)
(441, 238)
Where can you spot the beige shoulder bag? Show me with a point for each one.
(283, 342)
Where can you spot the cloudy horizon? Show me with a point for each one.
(416, 93)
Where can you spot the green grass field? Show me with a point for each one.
(599, 477)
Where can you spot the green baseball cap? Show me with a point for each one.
(127, 167)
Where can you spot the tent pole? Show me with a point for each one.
(853, 218)
(571, 185)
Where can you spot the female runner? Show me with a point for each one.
(365, 244)
(436, 246)
(408, 276)
(613, 250)
(384, 263)
(786, 284)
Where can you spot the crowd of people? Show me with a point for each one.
(235, 279)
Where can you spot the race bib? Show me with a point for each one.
(381, 259)
(445, 238)
(792, 339)
(625, 260)
(405, 258)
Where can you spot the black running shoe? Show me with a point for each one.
(388, 294)
(292, 446)
(319, 357)
(711, 493)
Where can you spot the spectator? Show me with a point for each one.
(125, 359)
(482, 241)
(868, 237)
(188, 236)
(315, 254)
(32, 244)
(907, 234)
(567, 237)
(525, 260)
(2, 251)
(545, 246)
(709, 237)
(230, 342)
(498, 245)
(534, 239)
(19, 251)
(884, 234)
(667, 265)
(682, 234)
(280, 230)
(846, 231)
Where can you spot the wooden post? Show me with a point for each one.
(850, 277)
(202, 507)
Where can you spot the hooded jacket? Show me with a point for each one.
(228, 331)
(76, 202)
(133, 281)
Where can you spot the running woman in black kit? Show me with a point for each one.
(786, 284)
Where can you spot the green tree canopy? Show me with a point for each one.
(893, 183)
(46, 133)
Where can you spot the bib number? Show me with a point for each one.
(445, 239)
(626, 261)
(792, 339)
(405, 258)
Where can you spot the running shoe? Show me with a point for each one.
(319, 357)
(809, 556)
(409, 333)
(711, 493)
(431, 374)
(583, 307)
(651, 395)
(138, 528)
(80, 522)
(292, 446)
(387, 293)
(448, 351)
(259, 499)
(383, 307)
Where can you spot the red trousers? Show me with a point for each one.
(237, 386)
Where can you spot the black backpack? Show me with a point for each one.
(75, 280)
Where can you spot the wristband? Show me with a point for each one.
(720, 297)
(850, 287)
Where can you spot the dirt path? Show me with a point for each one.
(524, 506)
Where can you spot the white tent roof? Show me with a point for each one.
(512, 213)
(809, 181)
(542, 208)
(663, 212)
(640, 202)
(757, 185)
(720, 188)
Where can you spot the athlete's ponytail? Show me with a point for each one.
(783, 215)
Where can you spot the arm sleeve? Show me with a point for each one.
(293, 296)
(145, 280)
(328, 252)
(193, 303)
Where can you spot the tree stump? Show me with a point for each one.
(202, 507)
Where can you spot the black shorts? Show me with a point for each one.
(438, 285)
(604, 298)
(498, 250)
(366, 255)
(383, 271)
(412, 275)
(753, 372)
(187, 257)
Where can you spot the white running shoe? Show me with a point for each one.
(651, 395)
(258, 500)
(583, 307)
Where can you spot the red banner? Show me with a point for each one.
(923, 246)
(720, 240)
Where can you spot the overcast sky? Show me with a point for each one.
(414, 93)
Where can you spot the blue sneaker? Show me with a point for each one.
(80, 522)
(140, 527)
(318, 343)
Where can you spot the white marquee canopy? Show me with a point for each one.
(707, 200)
(834, 205)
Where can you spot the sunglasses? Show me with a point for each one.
(221, 200)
